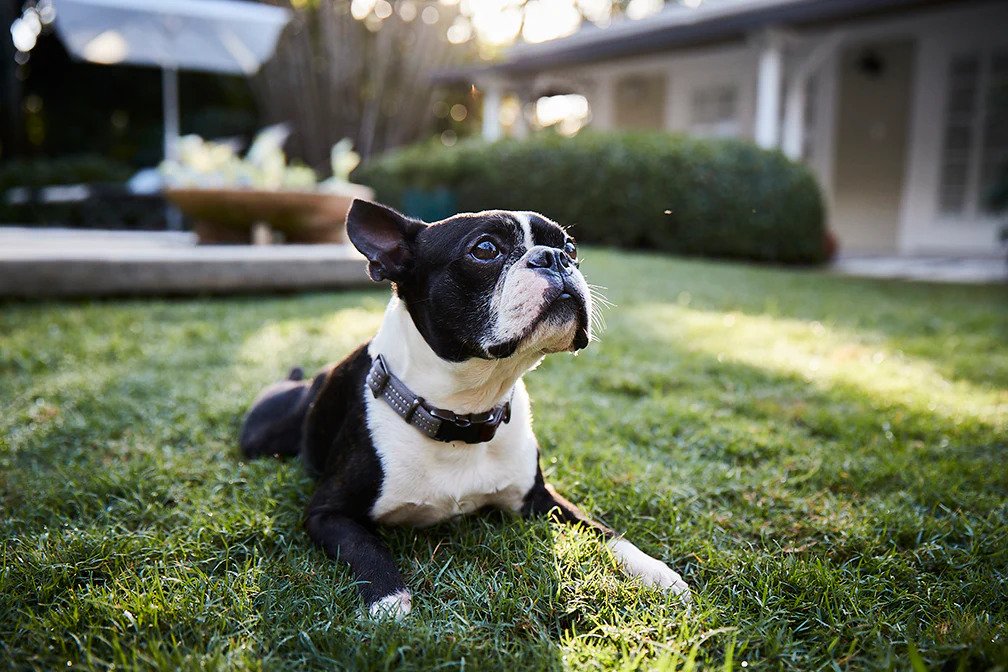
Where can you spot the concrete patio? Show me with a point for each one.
(51, 263)
(966, 270)
(54, 263)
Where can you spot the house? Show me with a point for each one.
(900, 107)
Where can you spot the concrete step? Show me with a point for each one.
(41, 263)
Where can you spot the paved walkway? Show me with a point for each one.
(48, 263)
(967, 270)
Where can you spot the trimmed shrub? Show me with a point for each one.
(81, 169)
(109, 208)
(723, 198)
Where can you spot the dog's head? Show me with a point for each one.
(488, 284)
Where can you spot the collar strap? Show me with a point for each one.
(437, 423)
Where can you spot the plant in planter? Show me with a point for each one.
(234, 199)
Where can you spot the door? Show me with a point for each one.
(873, 109)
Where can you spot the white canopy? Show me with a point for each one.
(225, 36)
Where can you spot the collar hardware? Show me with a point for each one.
(437, 423)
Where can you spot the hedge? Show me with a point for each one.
(110, 208)
(43, 172)
(722, 198)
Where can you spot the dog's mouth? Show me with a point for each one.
(562, 324)
(566, 303)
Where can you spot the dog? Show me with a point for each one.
(430, 419)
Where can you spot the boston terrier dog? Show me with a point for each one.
(430, 419)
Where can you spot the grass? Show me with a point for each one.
(824, 460)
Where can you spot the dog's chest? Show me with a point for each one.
(426, 481)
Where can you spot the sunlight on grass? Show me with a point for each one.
(309, 342)
(825, 357)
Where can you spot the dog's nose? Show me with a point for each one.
(549, 257)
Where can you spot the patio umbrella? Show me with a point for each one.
(223, 36)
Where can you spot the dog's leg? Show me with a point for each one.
(272, 425)
(543, 500)
(379, 581)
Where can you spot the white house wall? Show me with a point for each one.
(923, 229)
(936, 33)
(683, 71)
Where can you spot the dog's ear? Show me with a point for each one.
(385, 237)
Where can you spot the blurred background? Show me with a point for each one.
(870, 135)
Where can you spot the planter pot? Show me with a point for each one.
(230, 215)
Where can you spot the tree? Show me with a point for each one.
(334, 76)
(362, 69)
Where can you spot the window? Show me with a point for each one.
(975, 139)
(640, 102)
(715, 112)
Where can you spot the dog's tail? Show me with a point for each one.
(272, 425)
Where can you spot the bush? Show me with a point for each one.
(111, 207)
(723, 198)
(83, 169)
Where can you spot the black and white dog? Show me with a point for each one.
(430, 419)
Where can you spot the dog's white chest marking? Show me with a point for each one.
(427, 481)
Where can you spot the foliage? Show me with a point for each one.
(721, 198)
(204, 164)
(81, 169)
(111, 211)
(822, 458)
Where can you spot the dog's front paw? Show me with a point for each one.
(395, 606)
(650, 571)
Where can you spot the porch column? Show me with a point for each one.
(794, 101)
(768, 91)
(794, 120)
(170, 111)
(493, 95)
(603, 115)
(524, 93)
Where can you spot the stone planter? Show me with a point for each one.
(232, 215)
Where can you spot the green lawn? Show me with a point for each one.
(823, 459)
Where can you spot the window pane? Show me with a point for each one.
(953, 199)
(958, 140)
(965, 67)
(714, 111)
(640, 101)
(956, 173)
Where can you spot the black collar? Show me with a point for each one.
(437, 423)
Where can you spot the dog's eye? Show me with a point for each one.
(485, 250)
(571, 249)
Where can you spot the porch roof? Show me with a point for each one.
(676, 27)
